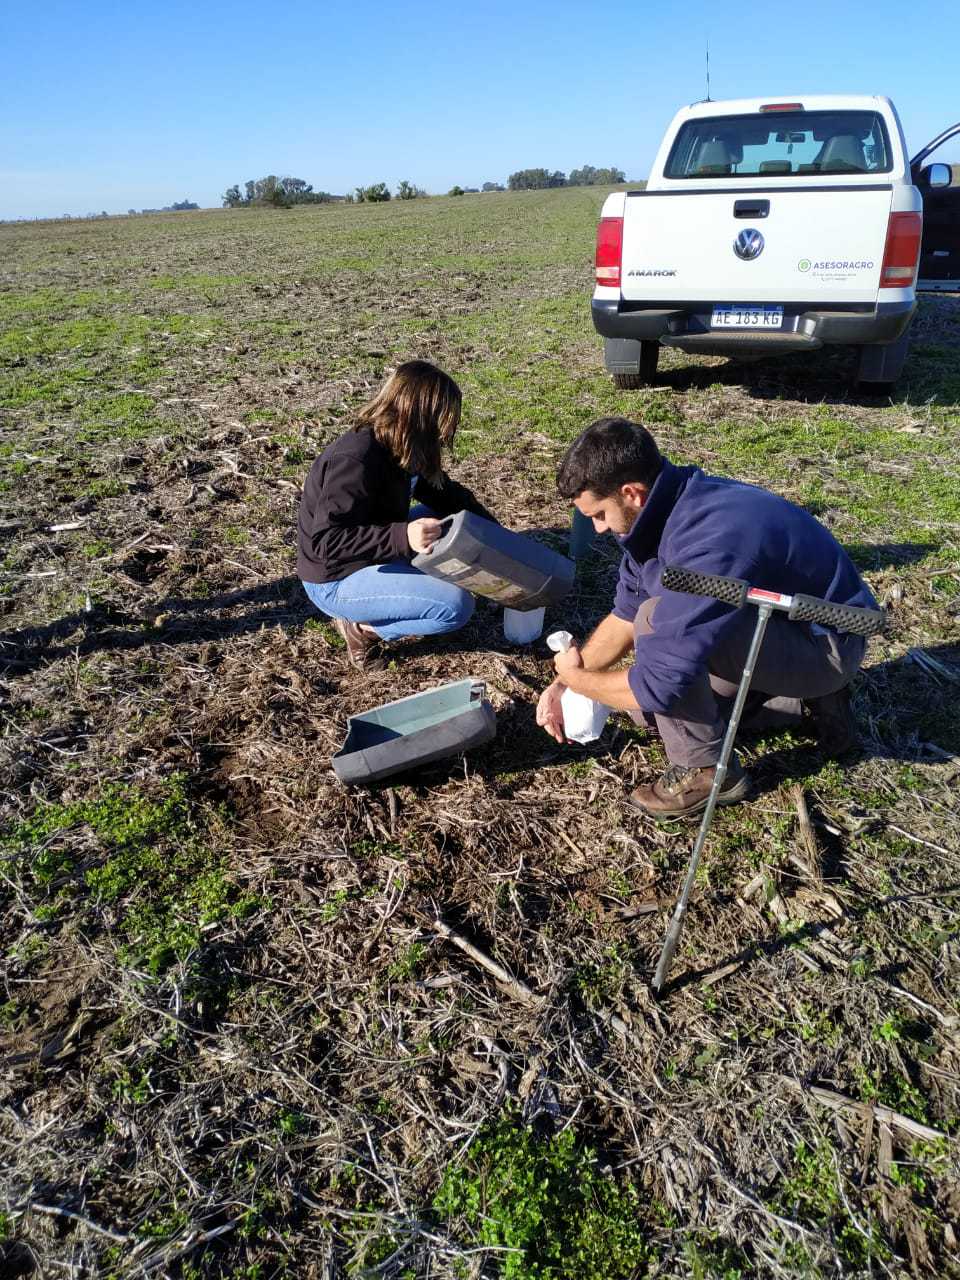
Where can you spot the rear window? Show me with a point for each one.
(781, 144)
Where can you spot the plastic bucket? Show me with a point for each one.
(523, 626)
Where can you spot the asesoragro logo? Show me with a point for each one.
(861, 264)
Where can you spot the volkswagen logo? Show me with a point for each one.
(748, 244)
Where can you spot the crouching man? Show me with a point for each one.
(689, 651)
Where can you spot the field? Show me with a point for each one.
(236, 1038)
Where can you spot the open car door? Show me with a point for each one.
(939, 184)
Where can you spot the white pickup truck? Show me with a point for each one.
(768, 227)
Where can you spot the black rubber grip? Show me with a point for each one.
(729, 590)
(842, 617)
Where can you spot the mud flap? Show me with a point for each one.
(883, 363)
(622, 355)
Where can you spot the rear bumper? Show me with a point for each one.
(687, 326)
(939, 286)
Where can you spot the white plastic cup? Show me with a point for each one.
(523, 626)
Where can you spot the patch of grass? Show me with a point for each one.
(545, 1201)
(155, 871)
(711, 1258)
(128, 415)
(10, 1011)
(106, 487)
(334, 905)
(894, 1090)
(599, 984)
(132, 1085)
(815, 1190)
(408, 963)
(199, 282)
(326, 629)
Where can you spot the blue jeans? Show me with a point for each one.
(395, 599)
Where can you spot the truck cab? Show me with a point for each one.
(767, 227)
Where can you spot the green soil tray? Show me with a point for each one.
(414, 731)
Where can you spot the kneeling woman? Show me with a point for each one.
(356, 530)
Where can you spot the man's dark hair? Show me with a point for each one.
(610, 453)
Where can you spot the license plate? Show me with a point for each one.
(747, 318)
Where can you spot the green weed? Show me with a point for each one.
(407, 965)
(106, 487)
(333, 906)
(291, 1123)
(601, 984)
(9, 1013)
(545, 1202)
(816, 1190)
(711, 1258)
(817, 1027)
(893, 1090)
(132, 1086)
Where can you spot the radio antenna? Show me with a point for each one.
(708, 98)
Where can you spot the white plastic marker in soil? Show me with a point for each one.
(583, 719)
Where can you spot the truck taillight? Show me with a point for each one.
(902, 250)
(609, 251)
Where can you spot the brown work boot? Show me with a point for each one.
(364, 648)
(832, 720)
(682, 792)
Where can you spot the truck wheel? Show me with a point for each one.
(631, 364)
(879, 367)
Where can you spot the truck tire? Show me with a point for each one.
(632, 364)
(879, 367)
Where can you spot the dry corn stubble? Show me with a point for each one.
(309, 1056)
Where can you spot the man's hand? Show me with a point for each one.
(565, 663)
(549, 711)
(422, 534)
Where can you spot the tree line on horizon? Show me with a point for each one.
(271, 190)
(283, 193)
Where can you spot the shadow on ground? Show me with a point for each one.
(900, 708)
(828, 376)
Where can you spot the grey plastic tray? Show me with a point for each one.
(414, 731)
(488, 560)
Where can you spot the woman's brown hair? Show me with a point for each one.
(415, 413)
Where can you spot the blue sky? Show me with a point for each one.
(127, 105)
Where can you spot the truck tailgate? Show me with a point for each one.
(818, 243)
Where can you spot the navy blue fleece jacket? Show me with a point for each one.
(725, 527)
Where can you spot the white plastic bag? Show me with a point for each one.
(583, 719)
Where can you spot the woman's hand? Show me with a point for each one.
(422, 534)
(549, 711)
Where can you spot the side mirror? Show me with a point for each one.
(937, 176)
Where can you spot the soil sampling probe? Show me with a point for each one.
(799, 608)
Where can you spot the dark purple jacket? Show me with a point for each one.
(724, 527)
